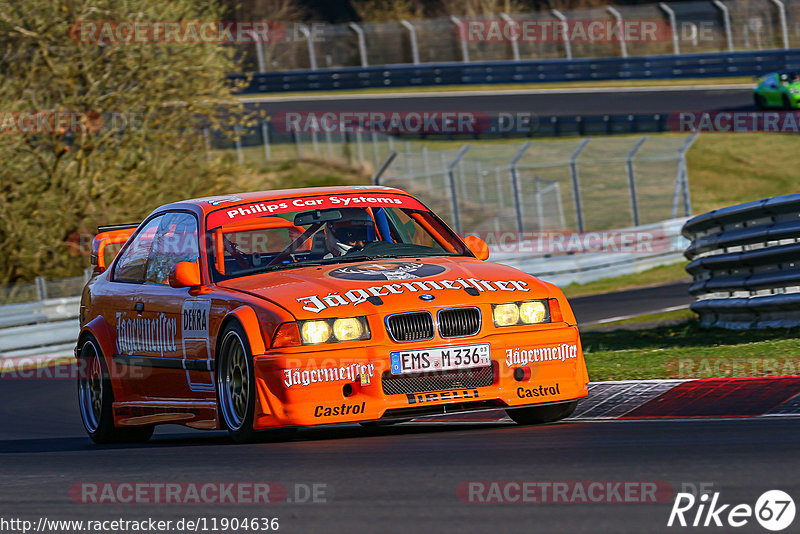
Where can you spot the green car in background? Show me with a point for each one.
(778, 90)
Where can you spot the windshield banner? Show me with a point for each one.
(242, 212)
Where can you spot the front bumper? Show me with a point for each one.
(305, 386)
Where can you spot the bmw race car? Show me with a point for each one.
(778, 90)
(284, 309)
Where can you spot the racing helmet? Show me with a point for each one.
(356, 227)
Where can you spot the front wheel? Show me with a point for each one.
(96, 400)
(236, 391)
(787, 102)
(537, 415)
(760, 101)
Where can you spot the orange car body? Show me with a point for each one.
(160, 341)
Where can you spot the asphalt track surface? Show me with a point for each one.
(641, 301)
(394, 479)
(549, 103)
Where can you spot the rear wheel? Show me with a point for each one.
(760, 101)
(537, 415)
(96, 399)
(787, 102)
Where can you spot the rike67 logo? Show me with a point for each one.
(774, 510)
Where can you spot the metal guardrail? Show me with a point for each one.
(745, 261)
(705, 65)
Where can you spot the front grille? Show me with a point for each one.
(415, 326)
(441, 381)
(459, 322)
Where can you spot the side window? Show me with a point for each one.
(174, 241)
(132, 265)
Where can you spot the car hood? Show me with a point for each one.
(389, 286)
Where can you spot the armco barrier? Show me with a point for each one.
(745, 261)
(529, 71)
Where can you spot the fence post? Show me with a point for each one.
(375, 155)
(362, 43)
(462, 36)
(632, 181)
(207, 138)
(516, 188)
(515, 41)
(41, 288)
(687, 201)
(237, 140)
(576, 190)
(412, 36)
(673, 24)
(359, 147)
(426, 167)
(618, 17)
(451, 180)
(259, 52)
(265, 137)
(298, 144)
(312, 55)
(329, 143)
(376, 178)
(782, 17)
(567, 43)
(726, 20)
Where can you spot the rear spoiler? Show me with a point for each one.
(111, 234)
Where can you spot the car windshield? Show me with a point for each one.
(326, 236)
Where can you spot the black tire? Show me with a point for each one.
(236, 391)
(538, 415)
(96, 399)
(787, 102)
(760, 101)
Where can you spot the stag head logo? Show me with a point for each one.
(386, 271)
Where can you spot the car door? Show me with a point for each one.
(180, 353)
(126, 312)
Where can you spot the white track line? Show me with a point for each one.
(624, 317)
(444, 94)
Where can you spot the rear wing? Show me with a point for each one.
(112, 234)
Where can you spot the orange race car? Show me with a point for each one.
(283, 309)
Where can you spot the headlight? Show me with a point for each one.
(506, 314)
(348, 329)
(533, 312)
(314, 332)
(514, 313)
(334, 330)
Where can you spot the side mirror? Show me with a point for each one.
(477, 246)
(185, 274)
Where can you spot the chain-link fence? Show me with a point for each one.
(682, 27)
(582, 185)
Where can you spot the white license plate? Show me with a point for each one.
(440, 359)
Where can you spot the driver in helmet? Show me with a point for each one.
(353, 230)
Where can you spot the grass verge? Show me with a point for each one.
(687, 350)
